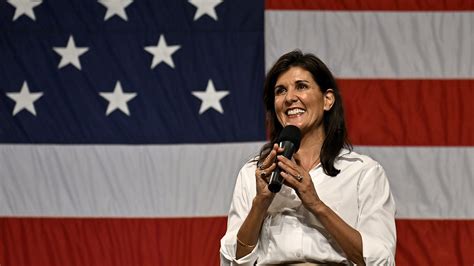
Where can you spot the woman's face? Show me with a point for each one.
(299, 100)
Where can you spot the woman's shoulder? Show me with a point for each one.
(366, 168)
(351, 157)
(250, 165)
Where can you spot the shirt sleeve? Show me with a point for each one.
(239, 209)
(376, 222)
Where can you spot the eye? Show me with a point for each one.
(301, 86)
(280, 90)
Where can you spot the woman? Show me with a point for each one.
(336, 205)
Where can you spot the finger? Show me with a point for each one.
(265, 174)
(285, 160)
(287, 165)
(279, 149)
(292, 169)
(271, 168)
(270, 158)
(288, 170)
(290, 180)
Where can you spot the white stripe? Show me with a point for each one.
(377, 44)
(429, 182)
(198, 180)
(120, 180)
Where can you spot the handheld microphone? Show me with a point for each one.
(289, 139)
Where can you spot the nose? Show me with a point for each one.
(291, 96)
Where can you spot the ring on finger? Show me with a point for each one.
(299, 178)
(263, 174)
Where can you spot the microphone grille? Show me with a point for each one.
(291, 133)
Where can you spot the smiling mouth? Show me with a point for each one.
(294, 112)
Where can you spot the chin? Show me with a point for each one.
(293, 123)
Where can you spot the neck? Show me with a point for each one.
(310, 148)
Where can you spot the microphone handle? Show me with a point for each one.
(276, 180)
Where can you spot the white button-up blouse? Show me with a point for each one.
(359, 194)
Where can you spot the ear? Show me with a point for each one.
(329, 99)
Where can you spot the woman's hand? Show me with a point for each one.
(299, 179)
(263, 172)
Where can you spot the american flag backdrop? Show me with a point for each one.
(123, 123)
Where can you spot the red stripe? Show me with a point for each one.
(409, 112)
(435, 242)
(192, 241)
(371, 5)
(114, 242)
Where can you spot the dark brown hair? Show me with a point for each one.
(333, 120)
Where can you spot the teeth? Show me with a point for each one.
(295, 111)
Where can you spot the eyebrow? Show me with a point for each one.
(298, 81)
(301, 81)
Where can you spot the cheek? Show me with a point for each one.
(277, 106)
(278, 110)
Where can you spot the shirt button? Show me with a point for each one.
(298, 254)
